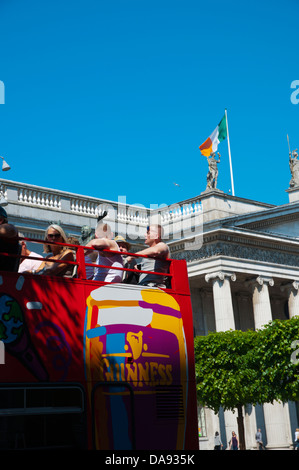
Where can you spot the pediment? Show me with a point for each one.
(281, 220)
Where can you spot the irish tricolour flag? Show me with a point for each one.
(212, 142)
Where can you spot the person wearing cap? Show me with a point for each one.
(124, 246)
(6, 230)
(9, 244)
(129, 277)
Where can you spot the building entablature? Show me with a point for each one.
(244, 252)
(232, 240)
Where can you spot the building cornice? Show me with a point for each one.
(264, 218)
(241, 245)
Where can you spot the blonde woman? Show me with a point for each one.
(55, 233)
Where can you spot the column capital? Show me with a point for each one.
(292, 289)
(220, 275)
(290, 285)
(260, 280)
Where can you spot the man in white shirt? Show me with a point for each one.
(28, 264)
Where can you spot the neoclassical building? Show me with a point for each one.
(245, 275)
(243, 266)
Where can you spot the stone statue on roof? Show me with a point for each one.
(294, 167)
(213, 170)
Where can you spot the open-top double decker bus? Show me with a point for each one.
(90, 365)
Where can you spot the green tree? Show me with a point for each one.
(235, 368)
(225, 372)
(278, 357)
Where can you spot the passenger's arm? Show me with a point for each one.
(103, 243)
(56, 268)
(160, 250)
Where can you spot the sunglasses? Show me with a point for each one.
(53, 235)
(150, 229)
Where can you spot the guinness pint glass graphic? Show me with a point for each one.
(134, 334)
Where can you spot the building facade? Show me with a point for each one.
(243, 266)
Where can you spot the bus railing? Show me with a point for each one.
(81, 263)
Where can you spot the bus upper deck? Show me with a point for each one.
(96, 365)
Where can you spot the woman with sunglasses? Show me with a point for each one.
(55, 234)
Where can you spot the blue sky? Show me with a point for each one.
(113, 98)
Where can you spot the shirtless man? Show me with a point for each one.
(158, 252)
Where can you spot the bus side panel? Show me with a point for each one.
(136, 335)
(41, 325)
(59, 330)
(191, 439)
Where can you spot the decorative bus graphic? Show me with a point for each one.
(96, 365)
(135, 335)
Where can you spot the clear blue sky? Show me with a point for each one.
(113, 98)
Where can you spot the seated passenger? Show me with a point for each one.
(27, 263)
(87, 235)
(9, 243)
(159, 252)
(73, 241)
(129, 277)
(55, 233)
(103, 240)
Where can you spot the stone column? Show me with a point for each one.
(261, 300)
(293, 297)
(277, 421)
(244, 302)
(223, 306)
(274, 414)
(250, 426)
(208, 310)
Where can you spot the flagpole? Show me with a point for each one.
(230, 158)
(289, 144)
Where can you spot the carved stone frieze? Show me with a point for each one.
(240, 252)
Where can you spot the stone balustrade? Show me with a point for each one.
(39, 198)
(177, 219)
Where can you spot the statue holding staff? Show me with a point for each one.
(213, 170)
(294, 166)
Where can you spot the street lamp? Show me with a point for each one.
(5, 167)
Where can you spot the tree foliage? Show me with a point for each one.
(236, 368)
(278, 357)
(225, 369)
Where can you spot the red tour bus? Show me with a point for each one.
(91, 365)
